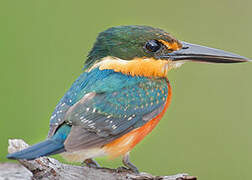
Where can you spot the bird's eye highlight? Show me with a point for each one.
(153, 45)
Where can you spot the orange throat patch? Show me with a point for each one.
(148, 67)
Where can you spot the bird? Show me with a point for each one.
(121, 95)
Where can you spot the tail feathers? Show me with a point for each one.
(45, 148)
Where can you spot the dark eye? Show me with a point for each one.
(153, 45)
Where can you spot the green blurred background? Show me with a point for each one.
(207, 129)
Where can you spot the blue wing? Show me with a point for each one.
(103, 105)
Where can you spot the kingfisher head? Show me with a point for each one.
(148, 51)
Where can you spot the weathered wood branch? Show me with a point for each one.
(46, 168)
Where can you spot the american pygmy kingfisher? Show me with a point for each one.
(121, 95)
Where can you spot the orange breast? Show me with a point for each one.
(125, 143)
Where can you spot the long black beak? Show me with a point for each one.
(193, 52)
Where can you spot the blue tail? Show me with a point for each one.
(44, 148)
(53, 145)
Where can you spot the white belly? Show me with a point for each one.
(80, 156)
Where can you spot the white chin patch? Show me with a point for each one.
(176, 64)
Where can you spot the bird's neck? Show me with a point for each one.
(148, 67)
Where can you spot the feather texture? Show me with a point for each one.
(103, 105)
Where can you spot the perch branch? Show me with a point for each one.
(46, 168)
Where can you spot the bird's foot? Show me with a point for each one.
(130, 167)
(91, 163)
(122, 169)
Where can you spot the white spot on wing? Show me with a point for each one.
(129, 118)
(53, 116)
